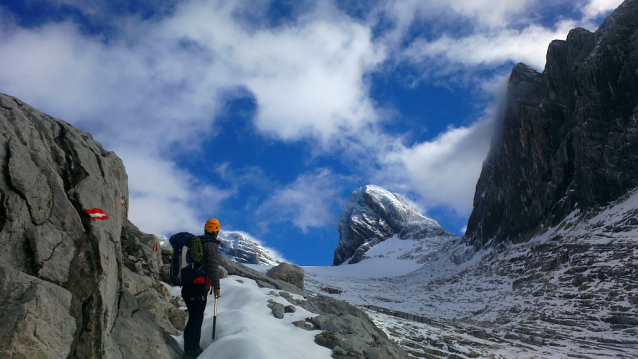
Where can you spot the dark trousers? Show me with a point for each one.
(194, 296)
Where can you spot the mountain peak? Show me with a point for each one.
(242, 248)
(372, 215)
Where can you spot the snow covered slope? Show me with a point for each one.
(571, 291)
(373, 215)
(247, 329)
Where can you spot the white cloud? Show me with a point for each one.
(444, 171)
(480, 15)
(600, 7)
(496, 32)
(308, 79)
(489, 13)
(491, 49)
(165, 199)
(307, 202)
(142, 94)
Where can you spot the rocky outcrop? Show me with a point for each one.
(348, 331)
(70, 262)
(373, 215)
(288, 273)
(569, 137)
(262, 279)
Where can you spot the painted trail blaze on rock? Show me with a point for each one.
(97, 213)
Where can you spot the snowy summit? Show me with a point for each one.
(372, 215)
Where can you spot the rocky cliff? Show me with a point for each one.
(569, 137)
(372, 215)
(77, 279)
(240, 248)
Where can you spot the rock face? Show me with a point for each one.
(242, 249)
(70, 261)
(373, 215)
(569, 138)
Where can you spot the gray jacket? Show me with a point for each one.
(210, 262)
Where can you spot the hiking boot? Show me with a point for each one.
(192, 354)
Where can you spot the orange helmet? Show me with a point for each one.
(212, 225)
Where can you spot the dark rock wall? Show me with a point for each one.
(569, 138)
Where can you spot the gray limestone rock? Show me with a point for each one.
(137, 335)
(303, 325)
(67, 249)
(262, 280)
(35, 317)
(350, 329)
(278, 310)
(288, 273)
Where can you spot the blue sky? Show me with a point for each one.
(268, 114)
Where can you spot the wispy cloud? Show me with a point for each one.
(164, 198)
(599, 7)
(444, 171)
(487, 50)
(308, 202)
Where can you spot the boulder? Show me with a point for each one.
(303, 325)
(288, 273)
(223, 273)
(261, 279)
(278, 310)
(347, 329)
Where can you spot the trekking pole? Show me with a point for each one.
(214, 318)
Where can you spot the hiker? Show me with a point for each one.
(195, 292)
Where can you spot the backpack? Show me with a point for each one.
(187, 252)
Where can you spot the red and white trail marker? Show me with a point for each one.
(155, 247)
(122, 201)
(97, 213)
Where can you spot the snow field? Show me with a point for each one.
(247, 329)
(383, 261)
